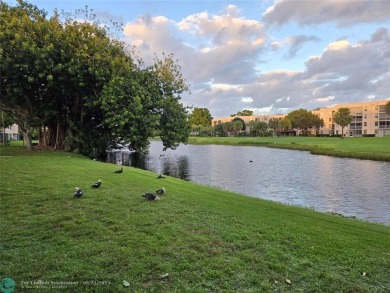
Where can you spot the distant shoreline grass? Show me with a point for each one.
(366, 148)
(195, 239)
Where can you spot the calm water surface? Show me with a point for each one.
(351, 187)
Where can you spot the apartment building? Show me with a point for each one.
(369, 118)
(10, 133)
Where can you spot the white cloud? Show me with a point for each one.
(339, 45)
(247, 100)
(325, 99)
(343, 13)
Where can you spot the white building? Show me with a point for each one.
(10, 133)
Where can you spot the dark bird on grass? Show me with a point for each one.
(250, 161)
(160, 191)
(119, 171)
(97, 184)
(151, 196)
(160, 176)
(78, 192)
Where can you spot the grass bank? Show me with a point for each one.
(195, 239)
(368, 148)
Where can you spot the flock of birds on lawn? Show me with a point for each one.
(147, 195)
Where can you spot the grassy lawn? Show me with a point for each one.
(205, 239)
(371, 148)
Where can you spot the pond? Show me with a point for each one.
(350, 187)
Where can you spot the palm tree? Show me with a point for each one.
(343, 118)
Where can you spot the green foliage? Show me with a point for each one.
(200, 130)
(243, 113)
(200, 116)
(140, 103)
(238, 124)
(303, 119)
(259, 128)
(27, 62)
(219, 130)
(6, 120)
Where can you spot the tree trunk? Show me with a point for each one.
(342, 132)
(27, 138)
(27, 134)
(2, 118)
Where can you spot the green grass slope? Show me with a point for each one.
(195, 239)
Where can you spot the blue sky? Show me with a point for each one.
(271, 56)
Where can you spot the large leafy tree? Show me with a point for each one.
(303, 119)
(343, 117)
(200, 116)
(139, 103)
(27, 64)
(88, 57)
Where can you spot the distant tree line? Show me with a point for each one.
(81, 87)
(301, 120)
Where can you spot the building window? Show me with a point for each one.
(365, 123)
(376, 123)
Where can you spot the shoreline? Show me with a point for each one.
(295, 144)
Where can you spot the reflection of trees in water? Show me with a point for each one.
(176, 168)
(114, 157)
(137, 160)
(131, 159)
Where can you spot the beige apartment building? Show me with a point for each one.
(369, 118)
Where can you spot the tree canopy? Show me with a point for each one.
(243, 113)
(200, 116)
(303, 119)
(81, 87)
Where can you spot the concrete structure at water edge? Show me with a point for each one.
(369, 119)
